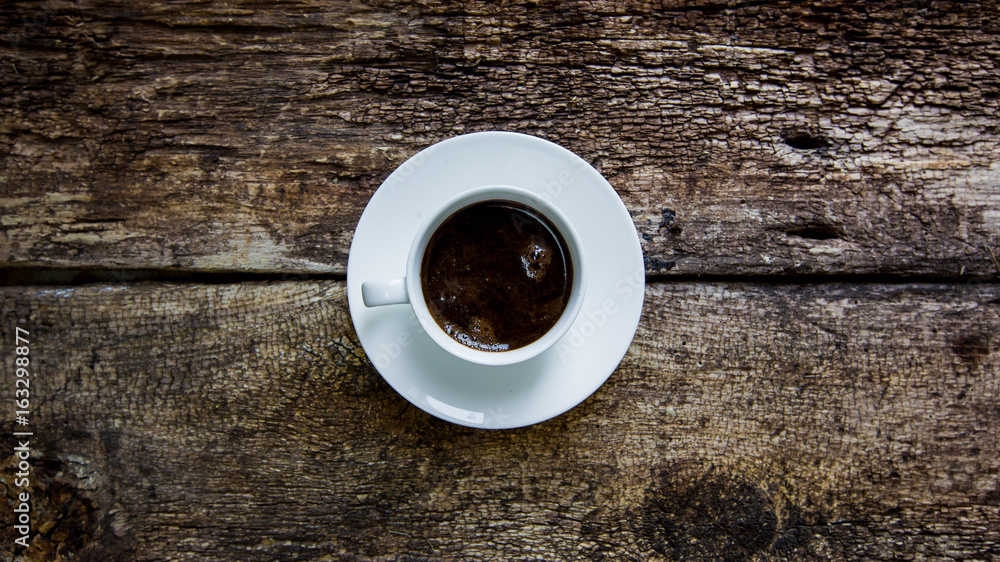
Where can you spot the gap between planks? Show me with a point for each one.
(75, 277)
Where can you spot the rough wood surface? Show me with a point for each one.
(746, 137)
(243, 422)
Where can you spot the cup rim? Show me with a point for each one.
(497, 192)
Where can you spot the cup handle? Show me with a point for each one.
(381, 293)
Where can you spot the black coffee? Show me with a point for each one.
(496, 275)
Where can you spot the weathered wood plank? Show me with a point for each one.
(747, 138)
(243, 422)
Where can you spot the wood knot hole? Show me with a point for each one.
(805, 141)
(814, 231)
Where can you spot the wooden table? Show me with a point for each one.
(817, 369)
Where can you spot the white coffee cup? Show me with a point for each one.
(408, 289)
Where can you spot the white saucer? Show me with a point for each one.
(498, 396)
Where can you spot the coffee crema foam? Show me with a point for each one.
(496, 275)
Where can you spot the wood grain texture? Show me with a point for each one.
(746, 137)
(747, 421)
